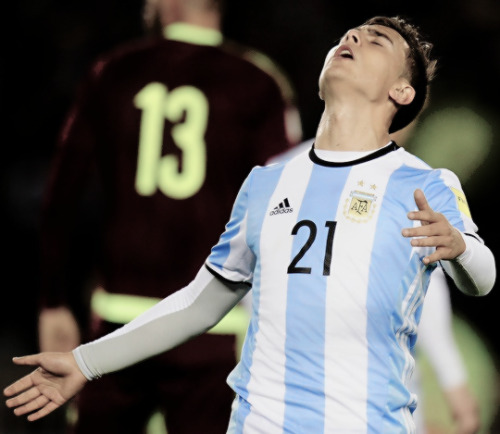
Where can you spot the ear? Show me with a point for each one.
(402, 93)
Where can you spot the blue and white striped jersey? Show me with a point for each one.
(337, 290)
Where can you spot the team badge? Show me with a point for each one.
(360, 206)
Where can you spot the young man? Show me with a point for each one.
(337, 288)
(435, 339)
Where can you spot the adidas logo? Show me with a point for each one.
(283, 208)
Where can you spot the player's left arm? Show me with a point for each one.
(464, 257)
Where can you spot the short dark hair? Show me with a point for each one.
(421, 67)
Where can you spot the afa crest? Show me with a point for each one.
(360, 206)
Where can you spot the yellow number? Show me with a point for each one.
(157, 171)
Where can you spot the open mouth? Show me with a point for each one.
(345, 52)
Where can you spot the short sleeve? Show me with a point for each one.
(231, 258)
(445, 195)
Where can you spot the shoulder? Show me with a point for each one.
(262, 65)
(411, 160)
(443, 176)
(434, 175)
(270, 173)
(263, 174)
(125, 52)
(292, 152)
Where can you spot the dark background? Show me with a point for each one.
(51, 44)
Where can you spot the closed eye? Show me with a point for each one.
(377, 35)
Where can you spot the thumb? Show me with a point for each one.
(31, 360)
(421, 200)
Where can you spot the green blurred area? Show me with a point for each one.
(483, 381)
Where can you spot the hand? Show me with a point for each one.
(464, 409)
(57, 330)
(436, 231)
(56, 380)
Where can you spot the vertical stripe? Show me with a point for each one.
(347, 347)
(239, 378)
(392, 271)
(385, 294)
(306, 306)
(268, 358)
(221, 252)
(412, 301)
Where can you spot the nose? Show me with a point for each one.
(353, 36)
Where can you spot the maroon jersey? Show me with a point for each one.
(172, 128)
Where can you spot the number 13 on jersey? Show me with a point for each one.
(157, 171)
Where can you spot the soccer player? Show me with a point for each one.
(435, 339)
(338, 245)
(171, 125)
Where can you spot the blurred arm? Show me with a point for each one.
(435, 333)
(58, 329)
(437, 341)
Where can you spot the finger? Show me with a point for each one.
(31, 360)
(31, 406)
(23, 398)
(437, 242)
(434, 257)
(426, 217)
(421, 200)
(441, 253)
(420, 231)
(19, 386)
(49, 408)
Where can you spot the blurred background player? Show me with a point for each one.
(436, 342)
(163, 131)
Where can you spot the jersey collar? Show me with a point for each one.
(392, 146)
(192, 34)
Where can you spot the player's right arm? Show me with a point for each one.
(183, 315)
(219, 285)
(179, 317)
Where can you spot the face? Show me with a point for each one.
(368, 59)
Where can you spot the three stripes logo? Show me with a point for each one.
(283, 208)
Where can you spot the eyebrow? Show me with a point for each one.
(379, 33)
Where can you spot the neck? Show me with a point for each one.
(183, 13)
(351, 126)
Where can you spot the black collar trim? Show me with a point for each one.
(385, 150)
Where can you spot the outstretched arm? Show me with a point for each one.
(469, 262)
(179, 317)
